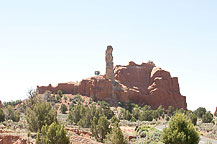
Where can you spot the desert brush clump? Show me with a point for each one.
(53, 134)
(100, 128)
(115, 136)
(180, 131)
(11, 114)
(39, 115)
(63, 109)
(2, 115)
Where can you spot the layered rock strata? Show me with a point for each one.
(143, 84)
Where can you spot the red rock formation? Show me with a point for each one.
(141, 84)
(215, 113)
(11, 139)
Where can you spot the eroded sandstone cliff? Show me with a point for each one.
(143, 84)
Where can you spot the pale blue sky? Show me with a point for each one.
(52, 41)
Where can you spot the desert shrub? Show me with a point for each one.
(53, 134)
(63, 109)
(81, 115)
(71, 106)
(114, 119)
(115, 136)
(65, 98)
(125, 114)
(146, 108)
(2, 115)
(76, 113)
(180, 131)
(106, 109)
(11, 114)
(170, 111)
(160, 110)
(41, 114)
(59, 93)
(12, 103)
(167, 118)
(181, 110)
(193, 118)
(136, 113)
(129, 107)
(133, 119)
(207, 117)
(146, 115)
(100, 128)
(200, 112)
(120, 104)
(58, 98)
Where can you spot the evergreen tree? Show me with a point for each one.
(207, 117)
(200, 112)
(2, 115)
(41, 114)
(11, 114)
(100, 128)
(63, 109)
(116, 136)
(53, 134)
(180, 131)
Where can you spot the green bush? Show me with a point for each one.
(200, 112)
(100, 128)
(207, 117)
(11, 114)
(180, 131)
(115, 136)
(53, 134)
(65, 98)
(41, 114)
(193, 118)
(58, 98)
(59, 93)
(125, 114)
(136, 113)
(170, 111)
(2, 115)
(63, 109)
(146, 115)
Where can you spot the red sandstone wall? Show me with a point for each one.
(141, 84)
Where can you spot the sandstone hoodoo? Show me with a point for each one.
(143, 84)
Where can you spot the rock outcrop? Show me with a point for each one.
(11, 139)
(0, 104)
(143, 84)
(215, 113)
